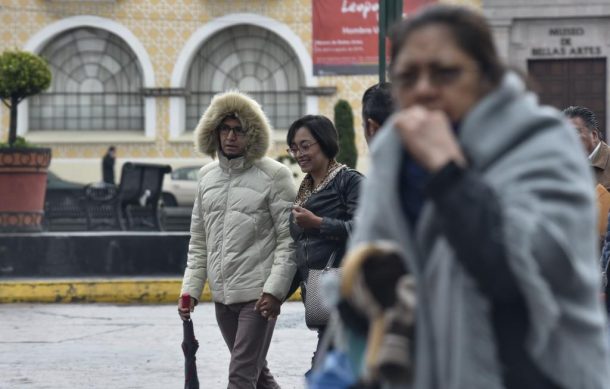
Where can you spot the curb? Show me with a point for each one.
(117, 291)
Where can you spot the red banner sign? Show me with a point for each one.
(345, 35)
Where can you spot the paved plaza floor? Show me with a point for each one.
(110, 346)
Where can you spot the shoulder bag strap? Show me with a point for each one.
(331, 260)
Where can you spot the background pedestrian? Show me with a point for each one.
(108, 162)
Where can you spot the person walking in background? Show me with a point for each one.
(240, 241)
(585, 122)
(377, 106)
(489, 197)
(604, 262)
(321, 219)
(108, 162)
(586, 125)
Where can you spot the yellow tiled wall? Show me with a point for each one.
(163, 27)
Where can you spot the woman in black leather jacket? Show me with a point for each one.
(321, 219)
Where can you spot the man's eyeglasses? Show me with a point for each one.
(224, 130)
(438, 76)
(303, 148)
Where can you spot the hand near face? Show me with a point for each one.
(268, 306)
(306, 219)
(428, 137)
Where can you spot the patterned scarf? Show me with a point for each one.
(307, 188)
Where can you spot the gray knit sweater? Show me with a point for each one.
(532, 160)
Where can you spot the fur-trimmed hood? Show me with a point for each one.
(251, 116)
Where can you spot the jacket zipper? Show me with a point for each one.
(222, 251)
(306, 243)
(306, 252)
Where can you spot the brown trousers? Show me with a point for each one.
(247, 335)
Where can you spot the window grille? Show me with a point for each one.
(96, 85)
(252, 60)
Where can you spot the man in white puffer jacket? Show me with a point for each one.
(240, 241)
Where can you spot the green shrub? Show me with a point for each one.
(289, 162)
(22, 74)
(344, 121)
(19, 142)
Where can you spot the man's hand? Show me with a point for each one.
(185, 312)
(268, 306)
(428, 137)
(305, 219)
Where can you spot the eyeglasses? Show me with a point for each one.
(224, 130)
(438, 76)
(303, 148)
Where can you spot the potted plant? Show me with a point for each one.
(23, 168)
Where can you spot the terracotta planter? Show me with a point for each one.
(23, 182)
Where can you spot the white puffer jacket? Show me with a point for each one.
(240, 240)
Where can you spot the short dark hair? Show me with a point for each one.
(471, 32)
(587, 116)
(323, 131)
(377, 102)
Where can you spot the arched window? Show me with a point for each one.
(96, 85)
(250, 59)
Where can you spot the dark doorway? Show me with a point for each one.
(566, 82)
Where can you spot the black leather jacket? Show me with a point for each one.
(336, 205)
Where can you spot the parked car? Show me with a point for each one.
(180, 187)
(56, 182)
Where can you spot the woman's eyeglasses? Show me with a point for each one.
(438, 76)
(224, 130)
(303, 148)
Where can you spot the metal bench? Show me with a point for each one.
(139, 192)
(103, 208)
(65, 210)
(176, 218)
(133, 205)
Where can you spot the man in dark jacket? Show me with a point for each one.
(108, 165)
(585, 122)
(377, 106)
